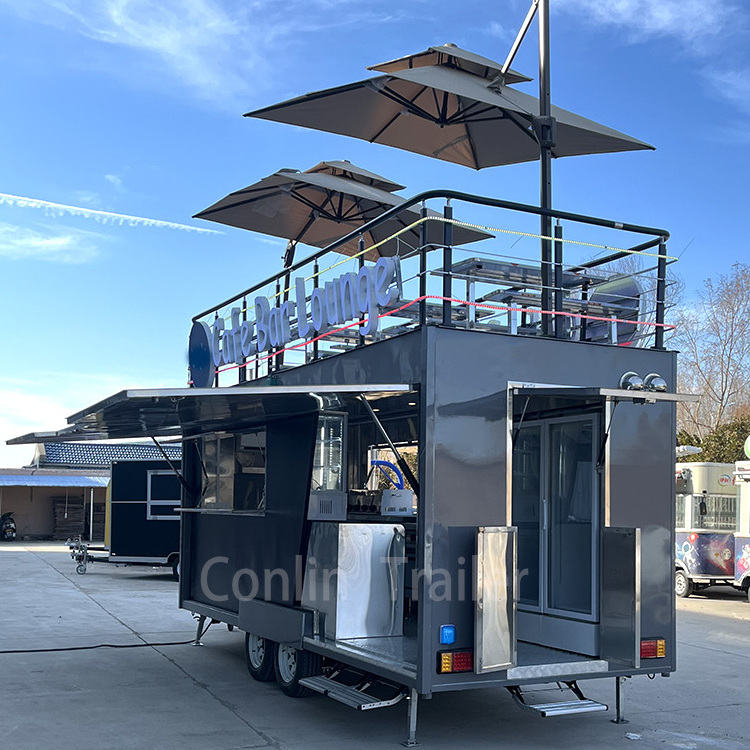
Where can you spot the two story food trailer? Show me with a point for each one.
(537, 545)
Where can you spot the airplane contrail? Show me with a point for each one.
(100, 216)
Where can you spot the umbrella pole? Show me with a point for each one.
(545, 133)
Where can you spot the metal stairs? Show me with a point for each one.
(367, 693)
(580, 705)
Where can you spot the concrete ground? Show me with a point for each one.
(171, 697)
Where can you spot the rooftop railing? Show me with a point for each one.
(607, 283)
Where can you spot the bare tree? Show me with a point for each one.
(714, 338)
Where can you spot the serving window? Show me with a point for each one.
(233, 471)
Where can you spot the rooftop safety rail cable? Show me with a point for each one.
(453, 300)
(456, 222)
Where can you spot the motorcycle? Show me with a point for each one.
(8, 529)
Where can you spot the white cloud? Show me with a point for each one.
(690, 21)
(103, 217)
(219, 50)
(733, 86)
(114, 180)
(37, 404)
(67, 246)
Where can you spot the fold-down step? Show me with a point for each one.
(357, 696)
(580, 705)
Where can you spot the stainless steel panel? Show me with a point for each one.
(495, 636)
(619, 635)
(355, 577)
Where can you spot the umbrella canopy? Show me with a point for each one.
(324, 203)
(448, 104)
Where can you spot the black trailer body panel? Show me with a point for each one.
(144, 511)
(236, 555)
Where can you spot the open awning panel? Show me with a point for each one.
(190, 411)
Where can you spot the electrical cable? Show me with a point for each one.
(106, 645)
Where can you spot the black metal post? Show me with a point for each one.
(278, 360)
(584, 307)
(423, 268)
(560, 320)
(661, 290)
(316, 271)
(216, 372)
(546, 140)
(361, 251)
(243, 368)
(447, 264)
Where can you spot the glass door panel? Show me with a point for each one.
(527, 484)
(572, 507)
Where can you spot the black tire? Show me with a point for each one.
(683, 586)
(80, 569)
(260, 654)
(176, 568)
(747, 591)
(293, 664)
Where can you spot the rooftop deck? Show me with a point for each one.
(594, 280)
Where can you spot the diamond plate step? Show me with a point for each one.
(349, 696)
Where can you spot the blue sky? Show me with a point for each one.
(134, 107)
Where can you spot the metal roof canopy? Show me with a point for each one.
(192, 411)
(46, 480)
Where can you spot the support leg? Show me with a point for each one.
(619, 719)
(412, 740)
(199, 631)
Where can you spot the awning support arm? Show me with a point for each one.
(177, 473)
(399, 458)
(605, 436)
(517, 428)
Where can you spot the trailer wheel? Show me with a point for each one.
(259, 657)
(176, 568)
(683, 586)
(293, 664)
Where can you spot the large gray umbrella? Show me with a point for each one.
(324, 203)
(449, 104)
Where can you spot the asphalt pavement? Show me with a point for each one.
(201, 698)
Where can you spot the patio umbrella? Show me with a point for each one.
(322, 204)
(449, 104)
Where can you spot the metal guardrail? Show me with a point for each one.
(578, 303)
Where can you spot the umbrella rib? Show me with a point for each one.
(409, 104)
(313, 206)
(464, 115)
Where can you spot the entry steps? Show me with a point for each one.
(367, 693)
(580, 705)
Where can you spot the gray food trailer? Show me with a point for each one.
(538, 548)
